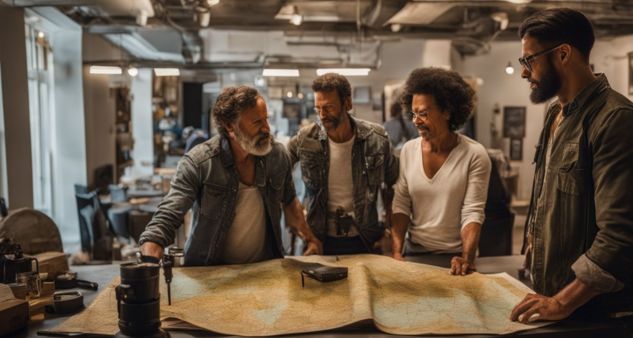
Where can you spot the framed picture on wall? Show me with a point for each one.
(516, 149)
(631, 73)
(514, 122)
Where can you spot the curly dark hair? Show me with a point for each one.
(451, 93)
(333, 82)
(230, 104)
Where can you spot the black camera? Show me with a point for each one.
(138, 301)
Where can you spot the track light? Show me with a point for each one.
(509, 69)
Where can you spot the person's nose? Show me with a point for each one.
(525, 73)
(266, 127)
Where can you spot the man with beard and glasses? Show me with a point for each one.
(237, 183)
(579, 229)
(344, 163)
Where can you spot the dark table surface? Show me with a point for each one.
(103, 274)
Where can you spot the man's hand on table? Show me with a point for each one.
(538, 307)
(397, 256)
(152, 249)
(313, 246)
(461, 266)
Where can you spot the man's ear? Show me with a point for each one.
(565, 53)
(230, 130)
(347, 105)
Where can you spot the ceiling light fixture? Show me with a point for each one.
(296, 18)
(166, 71)
(105, 70)
(132, 71)
(509, 69)
(203, 16)
(212, 2)
(280, 72)
(344, 71)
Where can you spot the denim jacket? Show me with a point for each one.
(580, 222)
(373, 164)
(206, 178)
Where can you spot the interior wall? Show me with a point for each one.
(142, 128)
(99, 105)
(499, 88)
(611, 58)
(16, 109)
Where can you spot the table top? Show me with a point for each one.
(103, 274)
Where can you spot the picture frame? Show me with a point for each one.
(516, 149)
(514, 122)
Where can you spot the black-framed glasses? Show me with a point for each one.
(526, 61)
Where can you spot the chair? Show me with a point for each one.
(119, 216)
(81, 189)
(496, 232)
(93, 227)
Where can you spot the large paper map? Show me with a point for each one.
(267, 299)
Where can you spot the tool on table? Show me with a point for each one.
(69, 280)
(168, 263)
(323, 273)
(66, 302)
(138, 301)
(171, 253)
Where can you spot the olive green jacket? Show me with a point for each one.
(580, 222)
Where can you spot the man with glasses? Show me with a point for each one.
(237, 183)
(579, 229)
(344, 162)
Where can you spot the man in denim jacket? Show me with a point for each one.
(344, 162)
(237, 183)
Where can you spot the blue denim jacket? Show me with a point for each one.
(206, 178)
(373, 164)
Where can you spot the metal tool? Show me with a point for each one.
(69, 280)
(168, 263)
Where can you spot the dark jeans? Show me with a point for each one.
(343, 246)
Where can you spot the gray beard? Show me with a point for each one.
(251, 146)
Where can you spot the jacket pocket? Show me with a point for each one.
(214, 200)
(312, 164)
(375, 169)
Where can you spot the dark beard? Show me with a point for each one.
(548, 86)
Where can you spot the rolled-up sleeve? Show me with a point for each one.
(402, 200)
(477, 189)
(183, 192)
(612, 248)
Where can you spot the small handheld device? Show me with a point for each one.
(323, 273)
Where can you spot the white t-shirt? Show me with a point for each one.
(439, 207)
(246, 240)
(340, 184)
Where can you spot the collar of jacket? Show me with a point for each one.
(361, 130)
(587, 94)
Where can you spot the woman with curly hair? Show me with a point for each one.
(441, 192)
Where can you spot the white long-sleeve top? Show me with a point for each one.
(439, 207)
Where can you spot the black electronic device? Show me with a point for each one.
(13, 262)
(323, 273)
(69, 280)
(138, 301)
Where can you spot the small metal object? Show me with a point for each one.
(168, 262)
(32, 281)
(344, 222)
(66, 302)
(69, 280)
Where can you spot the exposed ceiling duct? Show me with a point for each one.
(348, 30)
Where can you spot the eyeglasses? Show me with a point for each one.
(423, 115)
(326, 109)
(527, 61)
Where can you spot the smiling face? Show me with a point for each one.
(428, 117)
(545, 81)
(330, 108)
(252, 131)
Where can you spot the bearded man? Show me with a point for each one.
(238, 182)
